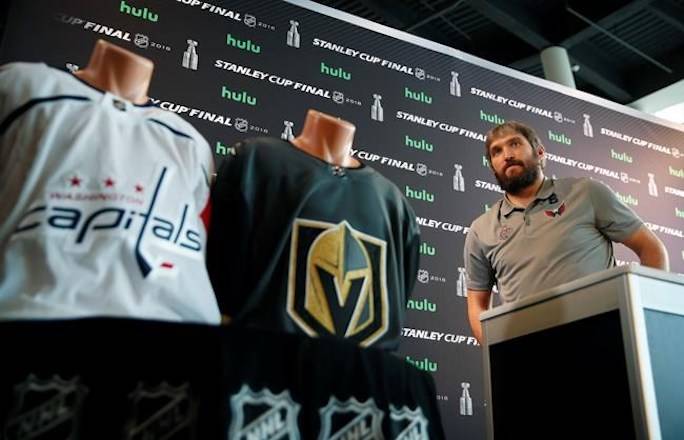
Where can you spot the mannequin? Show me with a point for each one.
(119, 71)
(328, 138)
(132, 177)
(307, 239)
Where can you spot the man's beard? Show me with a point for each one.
(515, 184)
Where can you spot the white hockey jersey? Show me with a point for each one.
(101, 202)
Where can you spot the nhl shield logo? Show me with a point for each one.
(250, 20)
(420, 73)
(241, 125)
(46, 409)
(263, 415)
(406, 424)
(141, 40)
(162, 411)
(351, 419)
(421, 169)
(338, 97)
(423, 276)
(337, 281)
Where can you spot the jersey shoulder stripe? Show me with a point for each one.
(16, 113)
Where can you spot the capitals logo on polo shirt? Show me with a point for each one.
(337, 281)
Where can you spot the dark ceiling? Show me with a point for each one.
(623, 50)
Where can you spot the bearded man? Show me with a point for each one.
(544, 232)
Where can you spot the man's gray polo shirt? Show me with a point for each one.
(564, 234)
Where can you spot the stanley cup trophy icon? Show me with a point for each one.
(461, 289)
(287, 134)
(293, 34)
(190, 56)
(377, 113)
(454, 86)
(459, 184)
(466, 403)
(652, 187)
(586, 127)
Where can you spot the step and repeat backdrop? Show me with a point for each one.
(238, 69)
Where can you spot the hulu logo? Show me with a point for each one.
(424, 365)
(424, 305)
(418, 194)
(679, 213)
(417, 96)
(419, 144)
(335, 72)
(223, 150)
(624, 157)
(674, 172)
(426, 249)
(241, 97)
(627, 199)
(560, 138)
(242, 45)
(143, 13)
(494, 119)
(485, 162)
(487, 207)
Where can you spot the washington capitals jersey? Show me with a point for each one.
(299, 245)
(101, 203)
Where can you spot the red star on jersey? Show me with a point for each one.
(138, 188)
(109, 182)
(75, 181)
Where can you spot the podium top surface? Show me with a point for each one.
(562, 289)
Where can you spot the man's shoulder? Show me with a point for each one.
(487, 218)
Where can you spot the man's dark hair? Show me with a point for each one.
(526, 131)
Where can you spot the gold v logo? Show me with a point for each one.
(337, 281)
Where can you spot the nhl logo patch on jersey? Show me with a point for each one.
(505, 232)
(337, 282)
(406, 424)
(161, 411)
(351, 419)
(50, 408)
(263, 415)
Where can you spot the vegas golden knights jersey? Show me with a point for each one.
(299, 245)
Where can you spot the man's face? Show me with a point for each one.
(514, 161)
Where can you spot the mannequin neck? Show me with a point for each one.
(118, 71)
(328, 138)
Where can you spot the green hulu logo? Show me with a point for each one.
(224, 150)
(417, 96)
(679, 213)
(418, 194)
(241, 97)
(560, 138)
(494, 119)
(335, 72)
(423, 305)
(624, 157)
(627, 199)
(425, 364)
(242, 45)
(676, 172)
(426, 249)
(143, 13)
(485, 162)
(419, 144)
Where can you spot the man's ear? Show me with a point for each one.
(541, 155)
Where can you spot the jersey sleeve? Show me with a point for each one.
(613, 218)
(227, 247)
(479, 271)
(15, 89)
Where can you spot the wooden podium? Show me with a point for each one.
(599, 357)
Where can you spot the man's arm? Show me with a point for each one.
(478, 302)
(648, 247)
